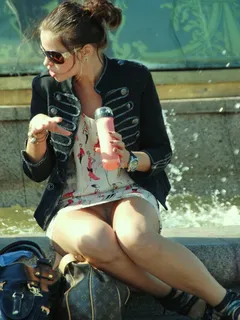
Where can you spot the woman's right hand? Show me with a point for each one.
(42, 123)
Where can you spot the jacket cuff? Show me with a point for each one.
(157, 165)
(28, 162)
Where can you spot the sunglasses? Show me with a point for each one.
(57, 57)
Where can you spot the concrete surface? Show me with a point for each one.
(219, 250)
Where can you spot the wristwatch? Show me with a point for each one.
(132, 163)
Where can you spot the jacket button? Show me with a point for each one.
(129, 105)
(124, 91)
(50, 186)
(135, 121)
(138, 135)
(58, 97)
(53, 111)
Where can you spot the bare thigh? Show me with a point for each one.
(136, 223)
(84, 232)
(135, 213)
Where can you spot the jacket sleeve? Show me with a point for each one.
(41, 170)
(154, 139)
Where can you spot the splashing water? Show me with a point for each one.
(188, 210)
(17, 220)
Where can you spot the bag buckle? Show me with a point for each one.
(34, 290)
(17, 302)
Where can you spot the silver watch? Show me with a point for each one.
(132, 163)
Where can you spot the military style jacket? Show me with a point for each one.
(128, 89)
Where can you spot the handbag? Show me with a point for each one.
(91, 294)
(26, 291)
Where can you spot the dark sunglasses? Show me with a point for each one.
(57, 57)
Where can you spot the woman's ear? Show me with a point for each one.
(87, 51)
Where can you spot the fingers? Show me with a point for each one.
(118, 144)
(41, 123)
(52, 125)
(57, 119)
(116, 140)
(115, 135)
(97, 149)
(119, 149)
(61, 130)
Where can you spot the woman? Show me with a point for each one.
(108, 218)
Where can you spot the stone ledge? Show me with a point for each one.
(218, 249)
(159, 77)
(177, 107)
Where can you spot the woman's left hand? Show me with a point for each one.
(119, 148)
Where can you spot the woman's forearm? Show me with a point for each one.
(36, 151)
(144, 162)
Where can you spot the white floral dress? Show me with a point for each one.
(88, 183)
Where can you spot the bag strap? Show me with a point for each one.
(24, 245)
(68, 258)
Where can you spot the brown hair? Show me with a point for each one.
(79, 24)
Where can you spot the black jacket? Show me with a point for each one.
(128, 89)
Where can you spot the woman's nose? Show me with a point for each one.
(47, 62)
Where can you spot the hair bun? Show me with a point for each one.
(104, 11)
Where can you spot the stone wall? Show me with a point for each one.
(204, 135)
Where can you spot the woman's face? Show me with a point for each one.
(60, 72)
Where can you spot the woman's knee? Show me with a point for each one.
(98, 244)
(135, 239)
(135, 223)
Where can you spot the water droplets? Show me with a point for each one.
(195, 136)
(236, 152)
(223, 192)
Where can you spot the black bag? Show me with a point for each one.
(91, 294)
(28, 292)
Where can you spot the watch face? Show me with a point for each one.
(133, 164)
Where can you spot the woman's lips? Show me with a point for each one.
(52, 74)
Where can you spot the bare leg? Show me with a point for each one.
(85, 233)
(135, 222)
